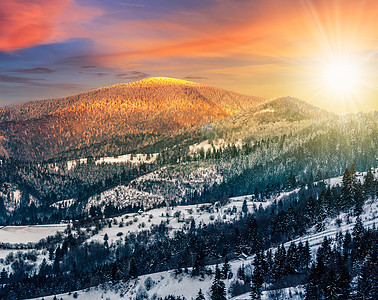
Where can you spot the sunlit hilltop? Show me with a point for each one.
(163, 81)
(133, 114)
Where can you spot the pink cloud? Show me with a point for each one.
(26, 23)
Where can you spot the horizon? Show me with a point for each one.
(190, 81)
(323, 52)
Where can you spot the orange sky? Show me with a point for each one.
(268, 48)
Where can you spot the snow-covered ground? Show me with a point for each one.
(129, 158)
(178, 217)
(28, 234)
(166, 283)
(63, 203)
(126, 158)
(359, 176)
(211, 146)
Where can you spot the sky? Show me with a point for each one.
(322, 51)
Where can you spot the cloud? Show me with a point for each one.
(98, 74)
(88, 67)
(27, 23)
(20, 79)
(132, 75)
(189, 77)
(37, 70)
(131, 4)
(38, 82)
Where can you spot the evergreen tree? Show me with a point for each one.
(343, 279)
(359, 199)
(330, 290)
(369, 184)
(257, 276)
(245, 207)
(313, 290)
(218, 288)
(252, 235)
(226, 270)
(347, 189)
(367, 288)
(279, 268)
(133, 271)
(200, 295)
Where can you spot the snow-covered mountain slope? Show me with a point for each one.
(169, 283)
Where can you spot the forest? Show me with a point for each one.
(78, 265)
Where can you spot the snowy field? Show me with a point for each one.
(28, 234)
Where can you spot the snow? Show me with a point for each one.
(291, 293)
(168, 282)
(214, 145)
(126, 158)
(63, 203)
(268, 110)
(359, 176)
(73, 163)
(28, 234)
(122, 196)
(179, 217)
(129, 158)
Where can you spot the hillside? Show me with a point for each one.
(118, 118)
(166, 244)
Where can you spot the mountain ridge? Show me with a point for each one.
(148, 107)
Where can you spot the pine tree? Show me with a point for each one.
(358, 234)
(257, 276)
(218, 288)
(330, 291)
(255, 292)
(279, 269)
(313, 290)
(252, 235)
(226, 269)
(369, 183)
(343, 279)
(200, 295)
(133, 271)
(310, 210)
(359, 199)
(245, 207)
(368, 280)
(347, 189)
(241, 272)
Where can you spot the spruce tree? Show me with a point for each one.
(369, 183)
(313, 290)
(226, 270)
(347, 189)
(218, 288)
(257, 276)
(133, 271)
(245, 207)
(200, 295)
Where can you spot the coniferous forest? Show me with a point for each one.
(343, 267)
(273, 199)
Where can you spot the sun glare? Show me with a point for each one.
(341, 77)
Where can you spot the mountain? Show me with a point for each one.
(255, 143)
(117, 119)
(164, 179)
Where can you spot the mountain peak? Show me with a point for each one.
(163, 81)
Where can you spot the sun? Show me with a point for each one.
(341, 77)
